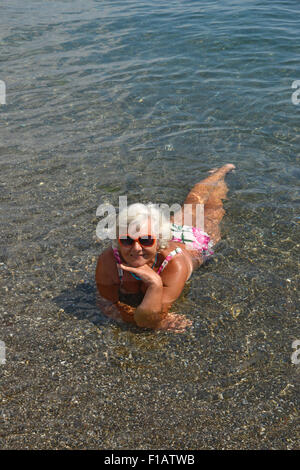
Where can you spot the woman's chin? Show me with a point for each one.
(137, 261)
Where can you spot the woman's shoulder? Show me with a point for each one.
(172, 248)
(174, 257)
(106, 255)
(106, 270)
(175, 266)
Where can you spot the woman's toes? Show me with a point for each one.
(230, 166)
(227, 167)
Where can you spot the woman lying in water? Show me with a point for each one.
(153, 257)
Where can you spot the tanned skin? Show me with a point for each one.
(160, 291)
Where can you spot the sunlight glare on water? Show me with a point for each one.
(109, 98)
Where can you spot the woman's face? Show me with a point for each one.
(137, 255)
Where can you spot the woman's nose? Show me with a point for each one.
(136, 246)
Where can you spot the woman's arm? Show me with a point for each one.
(117, 311)
(149, 312)
(160, 294)
(153, 310)
(108, 290)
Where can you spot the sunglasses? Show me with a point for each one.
(146, 241)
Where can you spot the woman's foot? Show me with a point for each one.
(228, 167)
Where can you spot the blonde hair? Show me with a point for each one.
(135, 214)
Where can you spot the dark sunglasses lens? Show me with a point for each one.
(126, 241)
(147, 241)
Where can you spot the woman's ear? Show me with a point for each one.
(158, 247)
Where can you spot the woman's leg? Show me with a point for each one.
(210, 193)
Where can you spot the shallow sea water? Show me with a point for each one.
(141, 99)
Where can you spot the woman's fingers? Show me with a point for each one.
(127, 268)
(175, 322)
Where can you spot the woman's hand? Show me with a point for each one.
(145, 273)
(174, 322)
